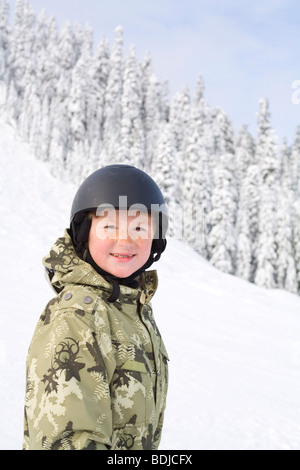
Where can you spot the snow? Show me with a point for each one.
(234, 347)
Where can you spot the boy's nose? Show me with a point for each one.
(124, 235)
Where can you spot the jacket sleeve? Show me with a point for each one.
(69, 368)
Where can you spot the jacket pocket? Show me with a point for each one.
(132, 394)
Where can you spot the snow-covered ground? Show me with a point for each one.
(234, 347)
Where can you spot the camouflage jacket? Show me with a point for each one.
(96, 371)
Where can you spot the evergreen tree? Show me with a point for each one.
(4, 39)
(179, 116)
(244, 248)
(222, 237)
(285, 259)
(196, 179)
(19, 57)
(132, 136)
(150, 110)
(112, 108)
(244, 154)
(164, 106)
(39, 52)
(29, 111)
(296, 239)
(162, 164)
(51, 66)
(49, 73)
(267, 158)
(83, 41)
(247, 214)
(180, 111)
(30, 119)
(99, 72)
(77, 147)
(81, 108)
(67, 59)
(60, 131)
(295, 163)
(247, 224)
(162, 171)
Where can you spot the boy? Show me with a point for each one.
(97, 369)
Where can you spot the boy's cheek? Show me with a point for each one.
(98, 245)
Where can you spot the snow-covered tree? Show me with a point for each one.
(267, 158)
(30, 118)
(18, 61)
(60, 130)
(247, 214)
(285, 259)
(132, 135)
(99, 72)
(162, 168)
(150, 110)
(4, 39)
(49, 75)
(222, 238)
(285, 266)
(51, 66)
(67, 60)
(196, 178)
(179, 116)
(244, 248)
(112, 107)
(164, 104)
(79, 103)
(82, 41)
(76, 107)
(295, 163)
(296, 240)
(244, 154)
(247, 224)
(164, 173)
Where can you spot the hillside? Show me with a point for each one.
(234, 347)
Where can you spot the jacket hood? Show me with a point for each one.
(64, 267)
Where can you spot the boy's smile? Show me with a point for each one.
(120, 243)
(122, 256)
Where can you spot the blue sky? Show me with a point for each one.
(243, 49)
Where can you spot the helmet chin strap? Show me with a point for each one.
(130, 281)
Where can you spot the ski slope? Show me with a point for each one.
(234, 347)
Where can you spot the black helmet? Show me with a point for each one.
(120, 187)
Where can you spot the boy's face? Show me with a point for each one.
(120, 243)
